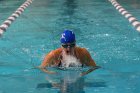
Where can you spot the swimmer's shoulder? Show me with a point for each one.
(81, 50)
(57, 51)
(54, 53)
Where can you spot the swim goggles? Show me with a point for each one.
(68, 45)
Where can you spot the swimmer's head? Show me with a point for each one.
(67, 36)
(68, 41)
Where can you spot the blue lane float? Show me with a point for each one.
(13, 17)
(134, 22)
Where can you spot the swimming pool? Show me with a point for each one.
(111, 40)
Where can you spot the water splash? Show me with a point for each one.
(70, 61)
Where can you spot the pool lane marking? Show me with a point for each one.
(13, 17)
(134, 22)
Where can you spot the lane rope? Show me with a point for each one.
(133, 21)
(13, 17)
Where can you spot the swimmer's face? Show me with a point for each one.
(69, 48)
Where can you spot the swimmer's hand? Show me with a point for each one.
(45, 70)
(90, 70)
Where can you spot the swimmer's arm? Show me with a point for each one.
(89, 62)
(90, 70)
(45, 70)
(92, 66)
(47, 62)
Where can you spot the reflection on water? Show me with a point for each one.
(70, 82)
(68, 12)
(133, 3)
(70, 7)
(67, 17)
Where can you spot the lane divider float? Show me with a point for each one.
(134, 22)
(13, 17)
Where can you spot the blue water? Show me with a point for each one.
(111, 40)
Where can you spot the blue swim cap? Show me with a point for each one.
(67, 37)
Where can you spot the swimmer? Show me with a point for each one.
(68, 55)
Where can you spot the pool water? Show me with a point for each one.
(112, 42)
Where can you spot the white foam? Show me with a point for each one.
(70, 61)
